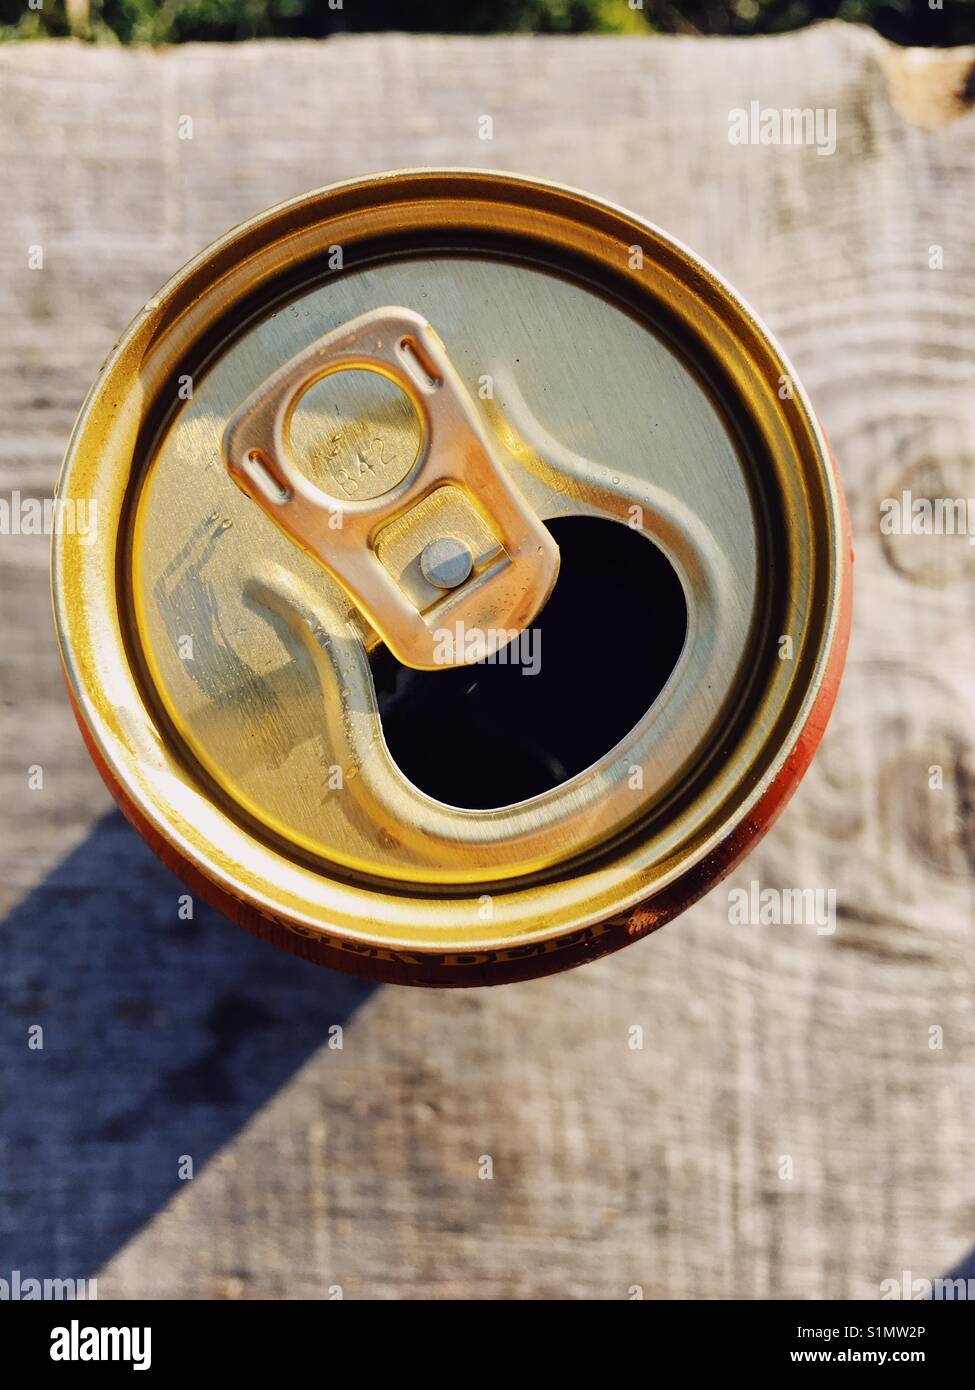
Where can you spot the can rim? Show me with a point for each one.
(753, 812)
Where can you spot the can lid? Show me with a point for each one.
(334, 464)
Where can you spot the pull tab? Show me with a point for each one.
(494, 594)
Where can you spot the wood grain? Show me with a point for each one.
(317, 1167)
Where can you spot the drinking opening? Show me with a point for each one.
(561, 695)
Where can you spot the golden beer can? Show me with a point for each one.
(471, 581)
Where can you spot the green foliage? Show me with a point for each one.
(941, 22)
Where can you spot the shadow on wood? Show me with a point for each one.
(161, 1038)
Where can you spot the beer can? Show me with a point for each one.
(471, 580)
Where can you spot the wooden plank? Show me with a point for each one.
(662, 1167)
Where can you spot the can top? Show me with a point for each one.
(340, 457)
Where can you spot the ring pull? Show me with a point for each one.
(457, 486)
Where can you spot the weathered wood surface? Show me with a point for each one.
(663, 1167)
